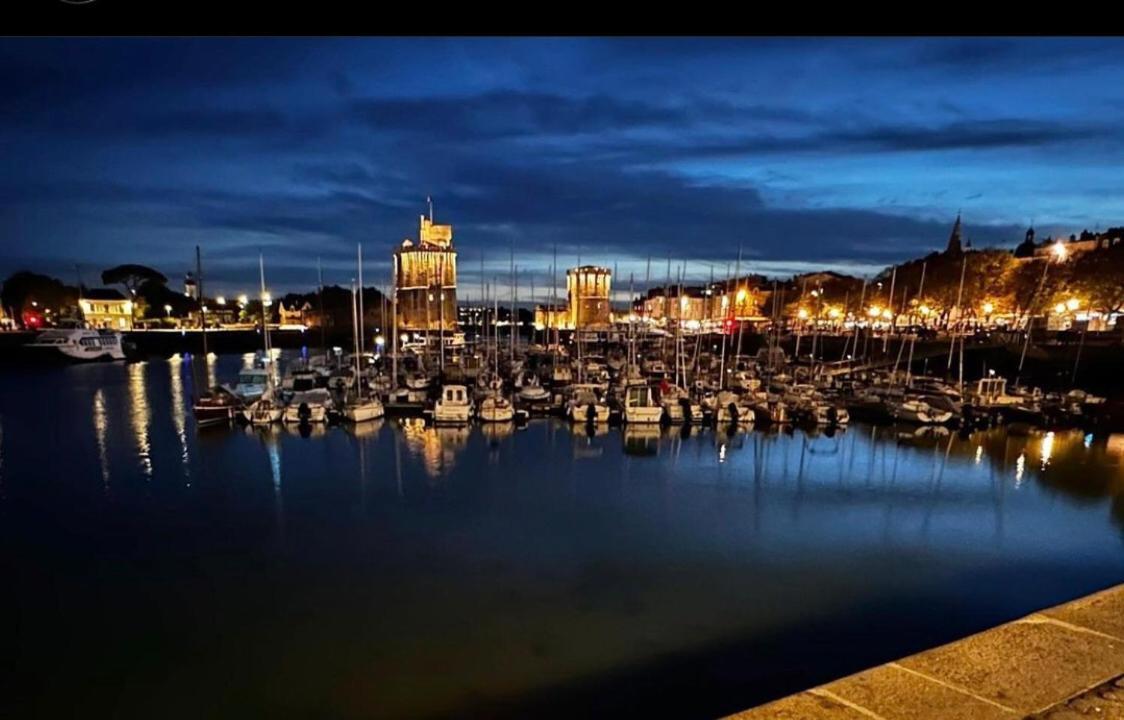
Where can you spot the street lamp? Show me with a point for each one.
(243, 300)
(167, 311)
(1059, 251)
(1072, 304)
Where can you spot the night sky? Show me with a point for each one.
(849, 154)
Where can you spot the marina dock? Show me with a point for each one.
(1062, 663)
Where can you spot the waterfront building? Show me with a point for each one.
(106, 308)
(553, 317)
(589, 288)
(295, 314)
(425, 275)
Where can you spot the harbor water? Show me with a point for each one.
(151, 569)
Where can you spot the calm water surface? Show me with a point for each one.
(154, 570)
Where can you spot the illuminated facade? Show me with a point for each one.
(589, 289)
(741, 300)
(106, 309)
(550, 316)
(425, 277)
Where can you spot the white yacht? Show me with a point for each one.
(454, 405)
(585, 404)
(266, 410)
(309, 406)
(252, 383)
(731, 409)
(530, 389)
(79, 344)
(917, 411)
(363, 409)
(678, 406)
(640, 405)
(495, 408)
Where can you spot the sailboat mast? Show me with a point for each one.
(355, 338)
(202, 303)
(394, 326)
(264, 323)
(320, 294)
(360, 259)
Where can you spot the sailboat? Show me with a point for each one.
(360, 407)
(268, 408)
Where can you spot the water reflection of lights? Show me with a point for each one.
(1020, 468)
(140, 415)
(1047, 448)
(179, 410)
(722, 453)
(436, 446)
(101, 430)
(979, 454)
(1088, 442)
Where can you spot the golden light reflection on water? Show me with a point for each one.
(140, 416)
(1047, 449)
(179, 410)
(436, 447)
(101, 431)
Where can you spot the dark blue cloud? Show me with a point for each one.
(843, 153)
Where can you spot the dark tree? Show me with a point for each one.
(131, 277)
(23, 288)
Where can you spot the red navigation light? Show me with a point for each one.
(728, 326)
(32, 319)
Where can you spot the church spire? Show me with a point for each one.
(954, 247)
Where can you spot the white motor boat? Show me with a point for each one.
(79, 344)
(418, 381)
(678, 407)
(252, 382)
(561, 374)
(495, 408)
(585, 405)
(916, 411)
(363, 410)
(454, 406)
(266, 410)
(531, 390)
(730, 409)
(309, 406)
(640, 405)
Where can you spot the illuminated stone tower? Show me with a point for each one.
(426, 279)
(589, 288)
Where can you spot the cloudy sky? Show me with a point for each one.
(846, 153)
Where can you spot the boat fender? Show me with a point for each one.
(732, 408)
(590, 413)
(304, 412)
(686, 405)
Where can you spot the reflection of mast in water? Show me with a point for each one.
(397, 463)
(101, 431)
(270, 439)
(179, 412)
(436, 446)
(139, 415)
